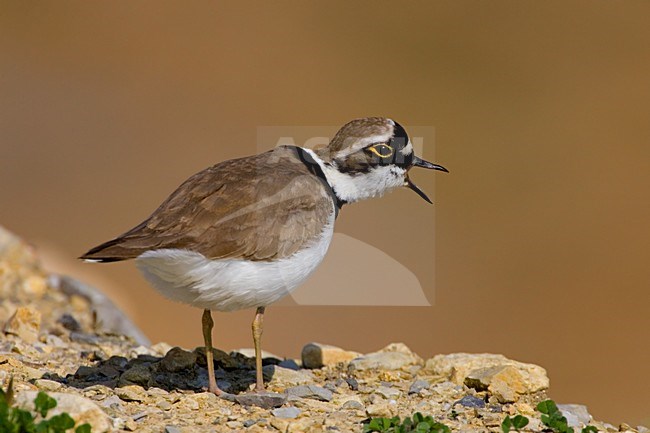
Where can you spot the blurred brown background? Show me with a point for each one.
(541, 113)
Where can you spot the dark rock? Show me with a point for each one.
(471, 401)
(271, 361)
(221, 358)
(310, 391)
(249, 422)
(85, 372)
(69, 322)
(172, 429)
(143, 359)
(136, 375)
(290, 364)
(177, 360)
(241, 361)
(265, 400)
(108, 371)
(119, 362)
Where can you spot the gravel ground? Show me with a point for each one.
(52, 340)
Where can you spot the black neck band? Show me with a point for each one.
(314, 168)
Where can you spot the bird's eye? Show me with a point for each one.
(381, 150)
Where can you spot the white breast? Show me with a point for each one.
(230, 284)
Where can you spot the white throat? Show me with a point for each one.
(355, 187)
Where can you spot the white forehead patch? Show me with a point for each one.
(408, 149)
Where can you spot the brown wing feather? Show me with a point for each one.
(263, 207)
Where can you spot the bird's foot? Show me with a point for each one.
(214, 389)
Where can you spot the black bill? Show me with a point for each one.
(417, 162)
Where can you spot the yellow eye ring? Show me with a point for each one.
(377, 149)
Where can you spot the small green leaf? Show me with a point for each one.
(60, 423)
(506, 424)
(375, 424)
(43, 403)
(519, 422)
(440, 428)
(43, 427)
(589, 429)
(23, 419)
(547, 407)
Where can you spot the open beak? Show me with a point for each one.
(417, 162)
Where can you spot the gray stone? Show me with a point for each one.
(69, 322)
(286, 412)
(140, 415)
(84, 338)
(352, 383)
(353, 405)
(112, 402)
(47, 385)
(310, 391)
(418, 386)
(177, 360)
(172, 429)
(163, 405)
(382, 409)
(392, 357)
(131, 393)
(577, 415)
(265, 400)
(471, 401)
(388, 392)
(284, 377)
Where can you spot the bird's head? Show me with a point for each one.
(370, 156)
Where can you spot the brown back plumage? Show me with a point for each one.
(262, 207)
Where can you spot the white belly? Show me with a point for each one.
(230, 284)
